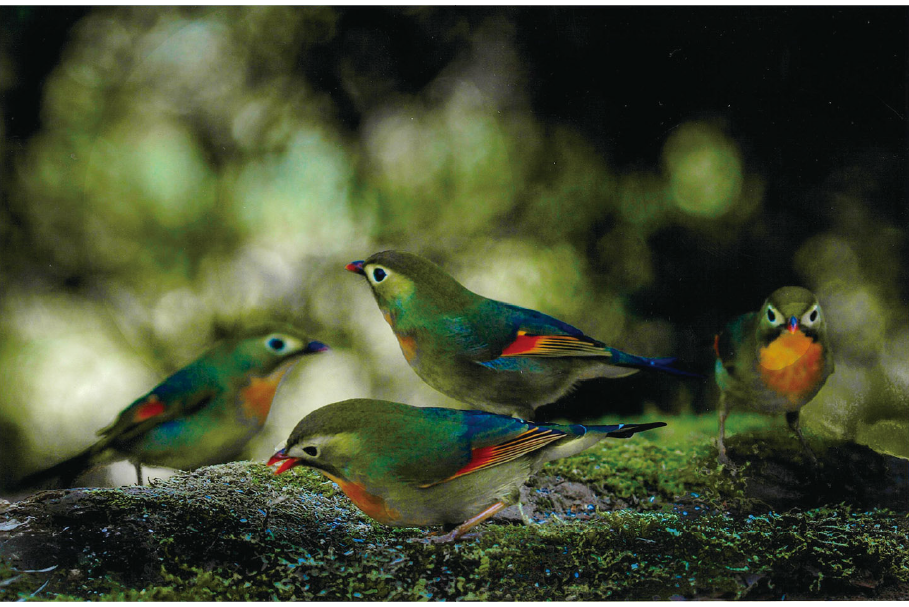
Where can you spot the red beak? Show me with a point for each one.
(356, 267)
(287, 462)
(793, 324)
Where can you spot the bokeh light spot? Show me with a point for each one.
(704, 168)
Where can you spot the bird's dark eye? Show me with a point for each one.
(277, 344)
(311, 451)
(379, 274)
(770, 315)
(813, 316)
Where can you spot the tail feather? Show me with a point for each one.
(625, 430)
(587, 436)
(613, 431)
(642, 362)
(67, 471)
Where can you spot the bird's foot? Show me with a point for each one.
(461, 530)
(811, 457)
(524, 518)
(451, 537)
(443, 538)
(727, 463)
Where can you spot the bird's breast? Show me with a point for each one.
(256, 397)
(408, 345)
(371, 505)
(792, 365)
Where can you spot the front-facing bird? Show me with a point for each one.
(409, 466)
(492, 355)
(203, 414)
(774, 360)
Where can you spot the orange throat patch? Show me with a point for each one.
(408, 346)
(256, 398)
(371, 505)
(792, 365)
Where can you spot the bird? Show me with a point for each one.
(773, 361)
(407, 466)
(203, 414)
(488, 354)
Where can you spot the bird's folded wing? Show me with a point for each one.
(526, 344)
(150, 411)
(732, 337)
(505, 451)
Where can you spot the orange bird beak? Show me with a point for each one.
(356, 267)
(287, 462)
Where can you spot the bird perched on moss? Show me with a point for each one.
(492, 355)
(409, 466)
(774, 360)
(203, 414)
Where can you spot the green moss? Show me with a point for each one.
(621, 555)
(237, 532)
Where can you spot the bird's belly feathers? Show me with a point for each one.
(508, 386)
(186, 444)
(404, 504)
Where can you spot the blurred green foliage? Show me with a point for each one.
(190, 175)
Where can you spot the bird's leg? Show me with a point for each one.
(469, 524)
(721, 446)
(524, 518)
(138, 473)
(792, 418)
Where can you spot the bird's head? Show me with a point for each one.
(789, 310)
(398, 278)
(328, 439)
(264, 350)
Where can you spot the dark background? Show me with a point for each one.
(808, 90)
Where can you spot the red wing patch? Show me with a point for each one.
(553, 345)
(150, 408)
(486, 457)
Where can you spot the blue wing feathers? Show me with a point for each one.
(540, 324)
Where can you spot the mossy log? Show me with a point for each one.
(627, 520)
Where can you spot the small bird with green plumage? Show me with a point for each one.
(774, 360)
(489, 354)
(408, 466)
(203, 414)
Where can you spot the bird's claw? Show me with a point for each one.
(727, 463)
(435, 538)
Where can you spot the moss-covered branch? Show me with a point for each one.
(629, 520)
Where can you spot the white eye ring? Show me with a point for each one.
(812, 316)
(277, 343)
(376, 274)
(773, 316)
